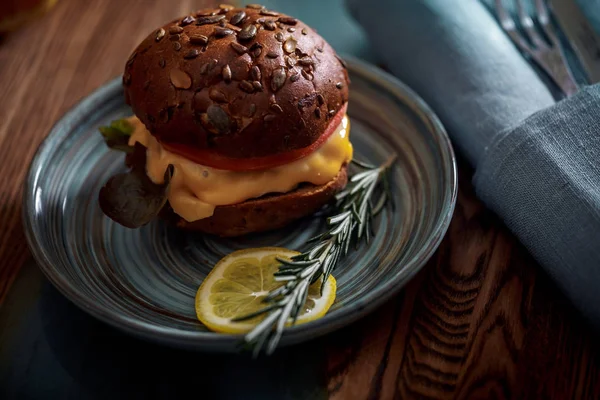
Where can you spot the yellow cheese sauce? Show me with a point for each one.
(196, 189)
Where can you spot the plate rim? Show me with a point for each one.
(208, 341)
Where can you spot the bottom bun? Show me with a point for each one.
(267, 212)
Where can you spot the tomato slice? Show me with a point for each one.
(210, 159)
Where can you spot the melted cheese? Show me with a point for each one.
(196, 190)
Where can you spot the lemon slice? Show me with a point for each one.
(240, 281)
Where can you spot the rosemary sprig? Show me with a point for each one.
(350, 221)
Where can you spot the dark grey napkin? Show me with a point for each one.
(543, 178)
(536, 162)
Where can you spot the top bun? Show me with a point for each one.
(242, 82)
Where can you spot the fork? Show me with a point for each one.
(548, 56)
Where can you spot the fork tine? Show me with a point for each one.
(544, 19)
(529, 27)
(542, 11)
(507, 23)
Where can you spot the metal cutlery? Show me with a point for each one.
(546, 53)
(581, 36)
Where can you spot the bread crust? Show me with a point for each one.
(241, 94)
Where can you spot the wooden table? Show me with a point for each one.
(481, 321)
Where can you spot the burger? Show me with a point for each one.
(240, 124)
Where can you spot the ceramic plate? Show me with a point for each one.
(143, 281)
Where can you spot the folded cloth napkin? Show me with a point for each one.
(536, 161)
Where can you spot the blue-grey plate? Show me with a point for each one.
(143, 281)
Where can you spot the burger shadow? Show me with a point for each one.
(107, 362)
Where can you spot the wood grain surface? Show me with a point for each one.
(482, 321)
